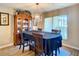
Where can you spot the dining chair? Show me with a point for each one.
(38, 44)
(39, 29)
(55, 45)
(56, 31)
(24, 40)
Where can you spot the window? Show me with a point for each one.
(48, 24)
(56, 22)
(60, 22)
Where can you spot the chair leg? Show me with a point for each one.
(35, 53)
(23, 48)
(56, 52)
(59, 50)
(45, 53)
(52, 53)
(29, 47)
(20, 46)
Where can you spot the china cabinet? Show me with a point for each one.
(21, 23)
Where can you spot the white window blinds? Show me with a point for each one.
(57, 22)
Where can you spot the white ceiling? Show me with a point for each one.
(32, 7)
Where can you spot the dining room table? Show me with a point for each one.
(49, 39)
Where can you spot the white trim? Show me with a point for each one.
(73, 47)
(4, 46)
(62, 44)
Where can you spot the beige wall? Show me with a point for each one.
(6, 32)
(73, 23)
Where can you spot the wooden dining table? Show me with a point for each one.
(48, 39)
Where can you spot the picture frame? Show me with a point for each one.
(4, 19)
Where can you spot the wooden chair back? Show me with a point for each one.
(56, 31)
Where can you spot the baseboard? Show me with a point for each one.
(11, 44)
(73, 47)
(4, 46)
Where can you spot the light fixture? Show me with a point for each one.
(38, 14)
(37, 8)
(37, 17)
(37, 3)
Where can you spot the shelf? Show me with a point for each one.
(21, 23)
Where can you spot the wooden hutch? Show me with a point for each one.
(21, 23)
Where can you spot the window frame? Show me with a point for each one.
(67, 23)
